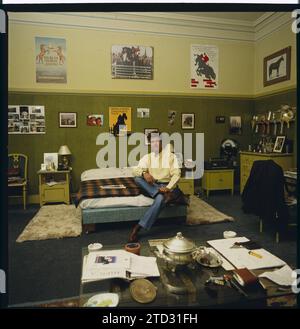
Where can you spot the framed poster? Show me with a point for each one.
(187, 120)
(67, 119)
(120, 120)
(277, 67)
(50, 60)
(26, 119)
(131, 62)
(204, 67)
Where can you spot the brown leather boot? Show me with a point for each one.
(133, 234)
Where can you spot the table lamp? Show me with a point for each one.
(64, 151)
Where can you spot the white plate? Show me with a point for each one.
(103, 300)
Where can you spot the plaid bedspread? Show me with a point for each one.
(101, 188)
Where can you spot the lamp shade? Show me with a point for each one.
(64, 150)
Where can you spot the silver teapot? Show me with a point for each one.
(178, 251)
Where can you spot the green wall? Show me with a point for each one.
(82, 140)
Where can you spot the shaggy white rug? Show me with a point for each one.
(200, 212)
(53, 222)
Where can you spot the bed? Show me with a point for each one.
(118, 208)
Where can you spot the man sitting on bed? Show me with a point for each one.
(157, 174)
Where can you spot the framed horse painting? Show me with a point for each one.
(277, 67)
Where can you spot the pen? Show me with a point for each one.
(252, 253)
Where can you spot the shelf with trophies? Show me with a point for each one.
(271, 142)
(266, 129)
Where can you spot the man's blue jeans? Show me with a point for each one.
(153, 191)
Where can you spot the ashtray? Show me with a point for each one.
(209, 260)
(103, 300)
(94, 246)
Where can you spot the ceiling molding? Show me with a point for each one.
(159, 23)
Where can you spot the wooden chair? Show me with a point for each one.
(17, 175)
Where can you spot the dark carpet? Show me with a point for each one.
(51, 269)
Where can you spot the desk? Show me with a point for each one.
(198, 296)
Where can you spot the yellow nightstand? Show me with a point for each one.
(219, 179)
(186, 185)
(54, 186)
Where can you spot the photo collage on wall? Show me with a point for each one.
(26, 119)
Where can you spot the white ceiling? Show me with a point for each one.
(244, 16)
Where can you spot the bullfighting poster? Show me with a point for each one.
(51, 60)
(204, 67)
(119, 120)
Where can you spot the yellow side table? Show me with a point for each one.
(218, 179)
(54, 186)
(186, 185)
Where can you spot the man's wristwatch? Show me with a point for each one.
(144, 172)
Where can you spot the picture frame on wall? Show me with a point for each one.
(277, 67)
(235, 123)
(67, 119)
(279, 143)
(148, 132)
(188, 120)
(132, 62)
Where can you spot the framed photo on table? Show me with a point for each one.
(279, 143)
(277, 67)
(67, 119)
(188, 120)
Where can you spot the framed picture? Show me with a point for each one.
(188, 120)
(94, 120)
(148, 132)
(279, 143)
(51, 159)
(26, 119)
(132, 62)
(67, 119)
(220, 119)
(171, 117)
(119, 121)
(277, 67)
(143, 113)
(235, 125)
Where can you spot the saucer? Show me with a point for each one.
(103, 300)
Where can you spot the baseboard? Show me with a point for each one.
(31, 199)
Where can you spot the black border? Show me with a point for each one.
(138, 7)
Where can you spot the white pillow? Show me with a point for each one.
(103, 173)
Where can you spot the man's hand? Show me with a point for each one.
(164, 189)
(148, 178)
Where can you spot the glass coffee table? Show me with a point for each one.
(184, 288)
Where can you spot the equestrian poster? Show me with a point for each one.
(119, 120)
(50, 59)
(132, 62)
(204, 67)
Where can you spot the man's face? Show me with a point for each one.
(156, 145)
